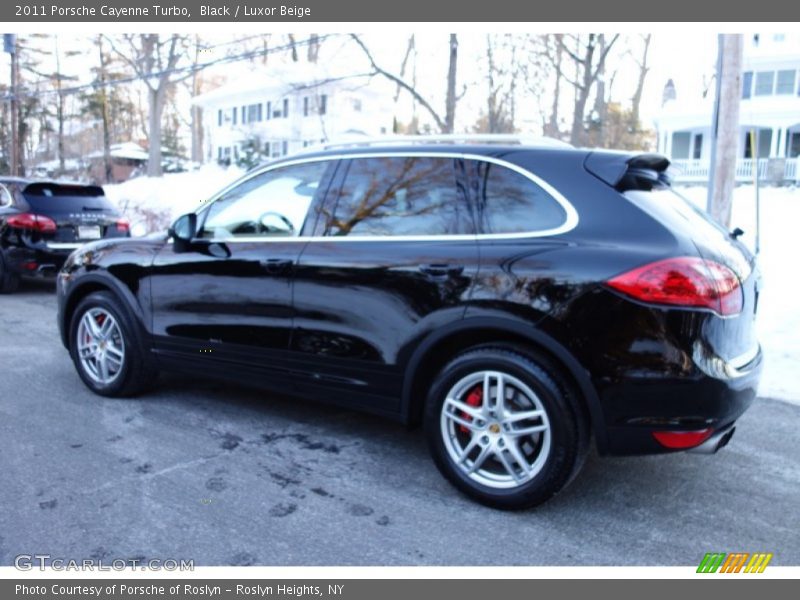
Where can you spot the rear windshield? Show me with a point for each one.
(49, 198)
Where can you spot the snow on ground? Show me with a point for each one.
(153, 203)
(778, 320)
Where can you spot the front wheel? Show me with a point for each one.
(503, 428)
(106, 349)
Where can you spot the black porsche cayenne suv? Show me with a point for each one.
(518, 300)
(42, 222)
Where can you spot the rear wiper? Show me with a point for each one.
(736, 233)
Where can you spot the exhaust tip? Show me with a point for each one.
(714, 443)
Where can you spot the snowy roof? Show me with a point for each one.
(129, 150)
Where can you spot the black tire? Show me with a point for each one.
(137, 372)
(568, 425)
(9, 282)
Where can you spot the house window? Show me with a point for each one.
(763, 143)
(219, 118)
(285, 108)
(785, 83)
(244, 115)
(764, 83)
(269, 110)
(305, 106)
(747, 84)
(357, 104)
(284, 147)
(323, 104)
(266, 148)
(793, 145)
(254, 113)
(697, 147)
(680, 144)
(233, 115)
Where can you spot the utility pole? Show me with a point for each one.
(10, 47)
(729, 92)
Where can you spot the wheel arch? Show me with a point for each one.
(96, 282)
(440, 347)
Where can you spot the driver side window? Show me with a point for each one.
(272, 204)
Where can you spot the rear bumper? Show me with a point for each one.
(41, 260)
(635, 408)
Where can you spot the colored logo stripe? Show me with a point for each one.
(733, 563)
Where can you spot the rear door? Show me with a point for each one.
(393, 257)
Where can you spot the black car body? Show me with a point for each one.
(591, 299)
(42, 222)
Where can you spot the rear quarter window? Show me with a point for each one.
(507, 201)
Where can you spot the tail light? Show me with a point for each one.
(681, 440)
(32, 222)
(685, 281)
(123, 225)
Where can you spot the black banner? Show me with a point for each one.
(364, 11)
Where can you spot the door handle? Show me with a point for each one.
(440, 271)
(275, 266)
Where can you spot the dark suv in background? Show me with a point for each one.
(516, 299)
(41, 222)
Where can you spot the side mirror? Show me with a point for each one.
(183, 231)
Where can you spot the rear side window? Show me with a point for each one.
(57, 198)
(398, 196)
(508, 202)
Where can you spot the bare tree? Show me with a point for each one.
(636, 99)
(153, 59)
(445, 122)
(588, 61)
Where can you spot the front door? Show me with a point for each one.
(227, 300)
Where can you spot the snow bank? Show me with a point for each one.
(153, 203)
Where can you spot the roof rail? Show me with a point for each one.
(444, 138)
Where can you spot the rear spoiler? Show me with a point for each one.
(624, 171)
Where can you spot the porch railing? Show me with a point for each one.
(692, 170)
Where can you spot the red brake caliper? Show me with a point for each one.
(474, 398)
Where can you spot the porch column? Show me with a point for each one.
(776, 133)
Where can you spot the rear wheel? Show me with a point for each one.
(9, 282)
(503, 429)
(106, 348)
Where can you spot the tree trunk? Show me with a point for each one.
(728, 128)
(552, 128)
(450, 102)
(582, 92)
(108, 169)
(155, 99)
(636, 100)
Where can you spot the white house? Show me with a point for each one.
(770, 108)
(291, 107)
